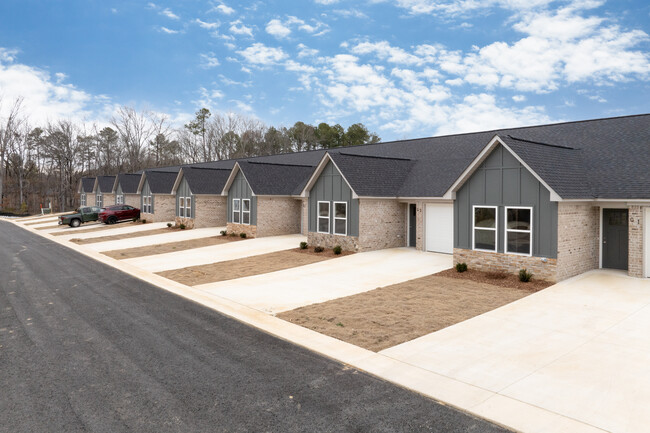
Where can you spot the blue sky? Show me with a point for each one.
(405, 68)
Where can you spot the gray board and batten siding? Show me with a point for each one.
(146, 190)
(241, 189)
(331, 187)
(184, 191)
(502, 181)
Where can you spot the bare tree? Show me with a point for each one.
(9, 133)
(135, 130)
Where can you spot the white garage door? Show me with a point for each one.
(439, 229)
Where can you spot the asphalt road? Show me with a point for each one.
(84, 347)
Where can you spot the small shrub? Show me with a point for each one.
(182, 226)
(461, 267)
(223, 232)
(232, 234)
(242, 235)
(337, 250)
(319, 249)
(303, 245)
(169, 225)
(525, 276)
(144, 221)
(340, 324)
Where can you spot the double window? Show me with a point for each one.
(324, 217)
(517, 232)
(241, 211)
(147, 204)
(185, 207)
(83, 199)
(99, 200)
(119, 199)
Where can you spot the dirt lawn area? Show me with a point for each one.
(92, 228)
(123, 236)
(391, 315)
(150, 250)
(246, 267)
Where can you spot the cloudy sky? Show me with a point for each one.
(405, 68)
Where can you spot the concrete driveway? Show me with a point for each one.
(580, 349)
(143, 241)
(117, 229)
(330, 279)
(215, 253)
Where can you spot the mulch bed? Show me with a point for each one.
(496, 278)
(326, 253)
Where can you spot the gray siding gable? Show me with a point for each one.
(241, 189)
(185, 191)
(330, 186)
(502, 181)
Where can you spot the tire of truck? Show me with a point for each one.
(75, 222)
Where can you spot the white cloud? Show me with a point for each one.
(206, 25)
(350, 13)
(113, 10)
(238, 28)
(326, 2)
(384, 51)
(519, 98)
(277, 29)
(260, 54)
(169, 14)
(8, 55)
(305, 51)
(463, 7)
(227, 10)
(209, 60)
(168, 31)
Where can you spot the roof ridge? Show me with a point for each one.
(276, 163)
(207, 168)
(542, 143)
(375, 156)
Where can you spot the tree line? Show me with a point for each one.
(42, 164)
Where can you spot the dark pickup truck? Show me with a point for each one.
(81, 215)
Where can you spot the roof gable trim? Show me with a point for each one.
(233, 174)
(319, 170)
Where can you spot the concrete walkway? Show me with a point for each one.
(580, 349)
(143, 241)
(330, 279)
(216, 253)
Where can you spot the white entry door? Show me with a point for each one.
(439, 228)
(646, 242)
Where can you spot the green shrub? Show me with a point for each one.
(144, 221)
(182, 226)
(525, 276)
(223, 232)
(242, 235)
(337, 250)
(461, 267)
(303, 245)
(319, 249)
(169, 224)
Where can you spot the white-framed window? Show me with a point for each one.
(246, 211)
(83, 199)
(119, 199)
(519, 230)
(146, 204)
(235, 211)
(323, 217)
(99, 200)
(185, 207)
(341, 218)
(484, 227)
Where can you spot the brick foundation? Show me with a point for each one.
(188, 222)
(508, 263)
(325, 240)
(578, 239)
(251, 231)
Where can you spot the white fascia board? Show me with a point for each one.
(630, 201)
(451, 192)
(80, 187)
(314, 176)
(115, 183)
(177, 182)
(231, 178)
(95, 186)
(426, 199)
(141, 183)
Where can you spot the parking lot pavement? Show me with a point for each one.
(580, 349)
(216, 253)
(142, 241)
(330, 279)
(118, 229)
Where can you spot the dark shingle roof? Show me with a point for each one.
(129, 182)
(87, 184)
(105, 183)
(372, 175)
(161, 182)
(268, 178)
(206, 180)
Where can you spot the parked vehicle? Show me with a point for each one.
(81, 215)
(119, 212)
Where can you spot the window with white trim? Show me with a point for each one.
(484, 228)
(246, 211)
(340, 218)
(99, 200)
(323, 217)
(519, 234)
(119, 199)
(235, 211)
(146, 204)
(185, 207)
(83, 199)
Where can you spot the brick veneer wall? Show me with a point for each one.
(164, 208)
(109, 199)
(90, 199)
(305, 216)
(278, 216)
(210, 211)
(381, 224)
(635, 241)
(347, 243)
(251, 231)
(132, 200)
(508, 263)
(578, 239)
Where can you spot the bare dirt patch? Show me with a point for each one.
(246, 267)
(92, 228)
(496, 278)
(122, 236)
(391, 315)
(150, 250)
